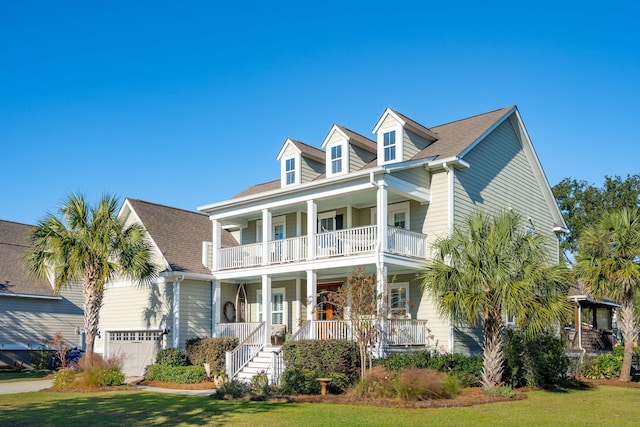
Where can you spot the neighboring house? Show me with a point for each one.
(136, 321)
(378, 203)
(598, 329)
(31, 312)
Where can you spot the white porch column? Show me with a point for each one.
(312, 228)
(175, 330)
(266, 235)
(216, 239)
(381, 212)
(266, 307)
(297, 308)
(298, 223)
(312, 290)
(381, 288)
(349, 216)
(215, 307)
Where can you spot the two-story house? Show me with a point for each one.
(378, 203)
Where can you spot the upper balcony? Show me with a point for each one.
(329, 244)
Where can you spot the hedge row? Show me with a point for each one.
(176, 374)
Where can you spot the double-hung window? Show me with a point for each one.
(277, 306)
(399, 300)
(336, 159)
(290, 170)
(389, 143)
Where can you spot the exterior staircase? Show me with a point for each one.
(263, 361)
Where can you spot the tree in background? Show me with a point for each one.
(608, 265)
(492, 267)
(582, 203)
(89, 245)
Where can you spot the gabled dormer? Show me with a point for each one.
(299, 163)
(400, 138)
(347, 151)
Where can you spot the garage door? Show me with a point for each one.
(137, 349)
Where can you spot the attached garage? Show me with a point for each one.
(136, 348)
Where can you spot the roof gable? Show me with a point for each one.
(178, 234)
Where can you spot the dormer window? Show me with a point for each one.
(336, 159)
(290, 171)
(389, 146)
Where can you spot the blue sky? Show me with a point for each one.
(188, 103)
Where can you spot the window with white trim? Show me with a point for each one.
(389, 144)
(336, 159)
(398, 215)
(399, 300)
(290, 171)
(277, 306)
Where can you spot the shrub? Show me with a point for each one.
(210, 350)
(65, 378)
(466, 369)
(260, 384)
(100, 373)
(422, 384)
(377, 383)
(175, 374)
(502, 391)
(323, 357)
(172, 357)
(299, 381)
(536, 361)
(232, 389)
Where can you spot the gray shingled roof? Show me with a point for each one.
(15, 240)
(451, 140)
(359, 140)
(455, 137)
(178, 234)
(309, 152)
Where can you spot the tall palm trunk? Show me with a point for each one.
(493, 357)
(629, 332)
(92, 304)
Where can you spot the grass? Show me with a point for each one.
(568, 407)
(23, 376)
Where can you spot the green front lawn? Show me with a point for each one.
(598, 406)
(23, 376)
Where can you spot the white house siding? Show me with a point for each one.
(413, 144)
(137, 308)
(310, 169)
(416, 175)
(228, 293)
(28, 322)
(195, 310)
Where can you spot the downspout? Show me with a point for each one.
(450, 177)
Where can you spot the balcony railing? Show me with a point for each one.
(397, 332)
(338, 243)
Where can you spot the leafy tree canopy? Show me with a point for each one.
(583, 204)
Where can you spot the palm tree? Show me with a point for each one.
(491, 268)
(89, 245)
(608, 265)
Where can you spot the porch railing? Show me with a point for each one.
(240, 330)
(240, 256)
(351, 241)
(238, 358)
(288, 250)
(346, 242)
(406, 242)
(406, 332)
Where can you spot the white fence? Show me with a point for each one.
(240, 330)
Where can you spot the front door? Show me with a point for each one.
(326, 310)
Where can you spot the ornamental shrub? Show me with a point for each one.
(172, 357)
(210, 350)
(175, 374)
(101, 372)
(323, 357)
(232, 389)
(299, 381)
(536, 361)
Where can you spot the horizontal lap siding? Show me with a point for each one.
(30, 321)
(228, 293)
(358, 158)
(137, 307)
(310, 170)
(413, 144)
(195, 310)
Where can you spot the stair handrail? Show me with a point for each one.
(303, 331)
(238, 358)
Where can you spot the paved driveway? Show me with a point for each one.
(24, 386)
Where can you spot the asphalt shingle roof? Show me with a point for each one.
(15, 239)
(179, 234)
